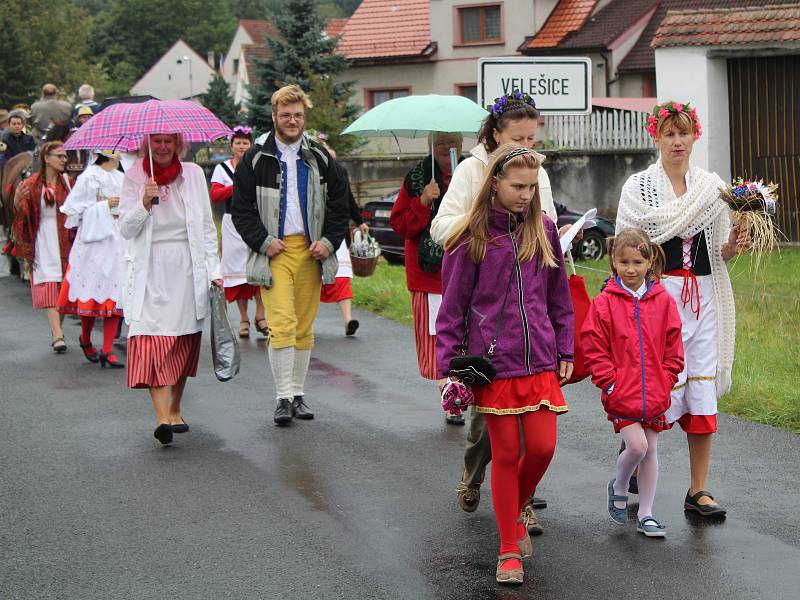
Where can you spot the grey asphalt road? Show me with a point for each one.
(358, 503)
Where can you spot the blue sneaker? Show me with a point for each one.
(650, 527)
(618, 515)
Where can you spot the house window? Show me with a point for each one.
(375, 97)
(235, 66)
(648, 86)
(480, 24)
(468, 90)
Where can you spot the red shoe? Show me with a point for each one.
(89, 351)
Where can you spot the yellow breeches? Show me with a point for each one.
(293, 299)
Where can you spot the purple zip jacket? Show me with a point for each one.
(537, 329)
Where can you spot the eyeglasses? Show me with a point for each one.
(64, 156)
(289, 116)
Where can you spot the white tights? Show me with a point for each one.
(641, 450)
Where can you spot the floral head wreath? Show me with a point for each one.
(661, 111)
(242, 130)
(501, 104)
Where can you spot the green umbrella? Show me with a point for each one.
(417, 116)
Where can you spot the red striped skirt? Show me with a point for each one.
(45, 295)
(337, 291)
(426, 343)
(160, 360)
(244, 291)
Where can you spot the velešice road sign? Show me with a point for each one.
(560, 86)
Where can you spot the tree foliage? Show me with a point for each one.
(331, 115)
(44, 41)
(218, 100)
(300, 53)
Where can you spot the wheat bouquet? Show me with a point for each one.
(753, 205)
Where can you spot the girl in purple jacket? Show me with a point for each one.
(505, 295)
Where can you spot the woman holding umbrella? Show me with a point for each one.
(165, 213)
(40, 236)
(412, 213)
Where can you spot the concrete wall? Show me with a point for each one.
(580, 180)
(687, 74)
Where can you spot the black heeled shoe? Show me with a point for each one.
(163, 433)
(92, 358)
(111, 361)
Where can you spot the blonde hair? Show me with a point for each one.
(289, 94)
(474, 228)
(681, 122)
(181, 147)
(633, 237)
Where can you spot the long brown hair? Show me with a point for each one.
(44, 152)
(633, 237)
(475, 225)
(516, 110)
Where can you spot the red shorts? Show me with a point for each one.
(698, 424)
(659, 424)
(337, 291)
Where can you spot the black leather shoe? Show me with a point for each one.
(181, 427)
(283, 412)
(163, 433)
(300, 410)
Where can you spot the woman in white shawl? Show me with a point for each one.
(678, 205)
(93, 280)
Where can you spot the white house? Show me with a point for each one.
(180, 73)
(740, 67)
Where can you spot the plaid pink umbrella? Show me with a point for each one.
(122, 126)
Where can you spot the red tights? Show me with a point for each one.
(514, 477)
(110, 326)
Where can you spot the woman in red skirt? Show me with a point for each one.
(93, 280)
(506, 296)
(234, 250)
(412, 213)
(172, 261)
(40, 236)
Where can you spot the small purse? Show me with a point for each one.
(474, 369)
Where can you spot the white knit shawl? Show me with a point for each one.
(649, 202)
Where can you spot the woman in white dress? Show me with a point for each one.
(40, 236)
(679, 207)
(171, 262)
(93, 280)
(234, 250)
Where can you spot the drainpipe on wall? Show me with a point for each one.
(607, 58)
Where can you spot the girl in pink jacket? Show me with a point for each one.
(632, 342)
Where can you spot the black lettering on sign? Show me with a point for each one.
(536, 86)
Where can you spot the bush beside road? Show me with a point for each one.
(766, 373)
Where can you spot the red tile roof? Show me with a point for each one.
(568, 16)
(608, 23)
(387, 29)
(335, 27)
(722, 26)
(642, 56)
(259, 31)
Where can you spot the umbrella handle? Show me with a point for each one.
(152, 173)
(571, 262)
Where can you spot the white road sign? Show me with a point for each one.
(560, 86)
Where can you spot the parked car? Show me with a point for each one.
(377, 213)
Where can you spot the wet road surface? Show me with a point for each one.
(358, 503)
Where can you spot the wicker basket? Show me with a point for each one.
(364, 267)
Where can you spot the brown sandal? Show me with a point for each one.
(509, 576)
(262, 329)
(244, 329)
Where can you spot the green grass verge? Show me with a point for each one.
(766, 373)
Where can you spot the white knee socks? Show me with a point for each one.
(301, 360)
(282, 362)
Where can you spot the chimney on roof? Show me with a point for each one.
(211, 59)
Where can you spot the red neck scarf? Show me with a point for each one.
(164, 175)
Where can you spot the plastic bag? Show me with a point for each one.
(224, 345)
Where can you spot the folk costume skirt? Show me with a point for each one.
(44, 295)
(234, 261)
(425, 342)
(160, 360)
(337, 291)
(694, 397)
(518, 395)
